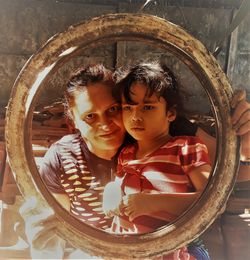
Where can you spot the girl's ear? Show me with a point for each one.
(171, 114)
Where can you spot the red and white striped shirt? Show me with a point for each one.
(165, 170)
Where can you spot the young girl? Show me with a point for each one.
(154, 172)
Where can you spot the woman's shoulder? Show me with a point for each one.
(67, 142)
(66, 139)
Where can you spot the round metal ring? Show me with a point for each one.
(169, 37)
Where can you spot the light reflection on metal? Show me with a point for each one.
(146, 3)
(68, 51)
(40, 77)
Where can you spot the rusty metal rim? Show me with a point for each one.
(168, 36)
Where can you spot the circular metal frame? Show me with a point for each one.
(116, 27)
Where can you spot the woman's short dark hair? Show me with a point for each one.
(81, 79)
(157, 77)
(84, 76)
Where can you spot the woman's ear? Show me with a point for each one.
(72, 124)
(171, 114)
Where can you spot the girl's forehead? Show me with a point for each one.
(140, 93)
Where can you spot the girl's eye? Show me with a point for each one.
(148, 107)
(126, 108)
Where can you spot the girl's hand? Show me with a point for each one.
(135, 205)
(112, 197)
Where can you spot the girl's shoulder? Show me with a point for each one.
(130, 148)
(183, 140)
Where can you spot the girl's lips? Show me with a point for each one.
(137, 128)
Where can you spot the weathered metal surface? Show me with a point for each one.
(169, 37)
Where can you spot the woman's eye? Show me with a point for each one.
(89, 117)
(114, 109)
(148, 107)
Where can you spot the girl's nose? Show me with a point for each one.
(136, 116)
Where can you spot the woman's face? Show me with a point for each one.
(98, 117)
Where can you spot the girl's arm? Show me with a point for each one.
(175, 204)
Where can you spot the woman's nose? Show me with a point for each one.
(105, 127)
(105, 124)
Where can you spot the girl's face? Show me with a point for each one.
(98, 117)
(147, 119)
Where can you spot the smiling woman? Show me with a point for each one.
(116, 27)
(94, 111)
